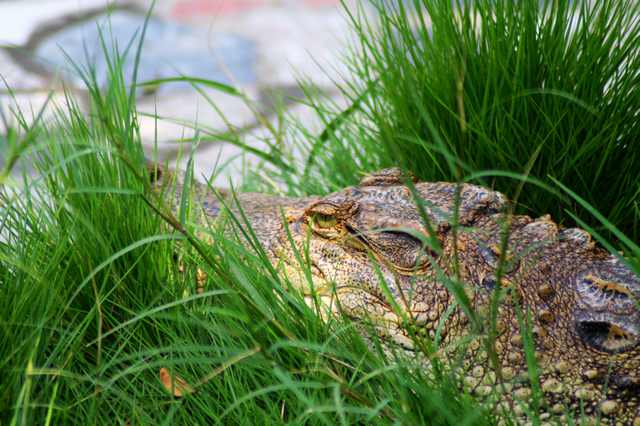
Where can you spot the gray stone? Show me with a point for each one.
(228, 163)
(170, 49)
(180, 113)
(19, 18)
(14, 77)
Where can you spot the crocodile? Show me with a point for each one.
(449, 261)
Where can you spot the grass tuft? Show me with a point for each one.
(549, 89)
(114, 304)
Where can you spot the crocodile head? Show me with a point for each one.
(372, 253)
(375, 254)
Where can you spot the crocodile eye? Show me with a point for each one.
(324, 221)
(327, 219)
(326, 225)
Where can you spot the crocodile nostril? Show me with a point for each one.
(606, 337)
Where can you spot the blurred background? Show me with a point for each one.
(263, 47)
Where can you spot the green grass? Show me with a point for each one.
(544, 88)
(98, 279)
(95, 304)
